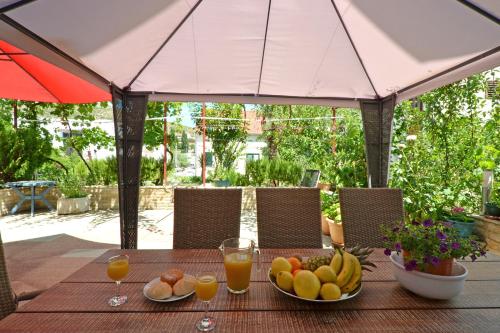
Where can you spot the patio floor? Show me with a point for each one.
(45, 249)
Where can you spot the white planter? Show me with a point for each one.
(429, 285)
(73, 205)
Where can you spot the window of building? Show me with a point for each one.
(252, 157)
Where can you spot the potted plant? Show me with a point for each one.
(331, 212)
(492, 208)
(74, 199)
(460, 220)
(423, 256)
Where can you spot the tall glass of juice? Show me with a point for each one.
(206, 288)
(238, 258)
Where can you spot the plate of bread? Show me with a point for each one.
(171, 286)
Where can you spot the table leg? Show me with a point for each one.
(22, 199)
(32, 201)
(44, 200)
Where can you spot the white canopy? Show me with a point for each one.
(330, 52)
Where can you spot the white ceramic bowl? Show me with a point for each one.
(429, 285)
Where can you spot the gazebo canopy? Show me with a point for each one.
(331, 52)
(355, 53)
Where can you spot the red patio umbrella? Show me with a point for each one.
(27, 77)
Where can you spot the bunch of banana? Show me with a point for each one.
(348, 270)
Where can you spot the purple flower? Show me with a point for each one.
(473, 257)
(443, 248)
(395, 229)
(483, 253)
(387, 252)
(455, 245)
(435, 261)
(414, 222)
(411, 265)
(440, 235)
(385, 239)
(397, 246)
(428, 223)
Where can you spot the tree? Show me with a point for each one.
(184, 142)
(438, 149)
(153, 129)
(227, 134)
(81, 116)
(309, 141)
(23, 150)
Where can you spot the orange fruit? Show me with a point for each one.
(295, 272)
(296, 264)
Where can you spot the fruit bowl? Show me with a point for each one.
(344, 296)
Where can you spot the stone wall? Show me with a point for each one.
(106, 197)
(490, 232)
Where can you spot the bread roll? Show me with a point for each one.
(168, 278)
(179, 274)
(160, 290)
(185, 285)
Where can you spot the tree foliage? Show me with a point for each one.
(228, 135)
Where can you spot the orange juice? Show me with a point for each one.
(238, 268)
(118, 269)
(206, 287)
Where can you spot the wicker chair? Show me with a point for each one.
(364, 210)
(203, 218)
(9, 300)
(289, 218)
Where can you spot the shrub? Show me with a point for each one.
(71, 185)
(256, 172)
(151, 170)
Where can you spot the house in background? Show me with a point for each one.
(253, 149)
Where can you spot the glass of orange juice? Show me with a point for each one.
(117, 270)
(238, 258)
(206, 288)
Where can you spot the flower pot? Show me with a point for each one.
(324, 186)
(324, 225)
(222, 183)
(464, 228)
(336, 232)
(444, 268)
(429, 285)
(491, 209)
(73, 205)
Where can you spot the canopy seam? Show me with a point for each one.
(264, 46)
(354, 47)
(480, 11)
(181, 23)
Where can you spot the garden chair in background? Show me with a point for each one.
(364, 210)
(289, 217)
(310, 178)
(9, 300)
(203, 218)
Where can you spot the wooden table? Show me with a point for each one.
(79, 303)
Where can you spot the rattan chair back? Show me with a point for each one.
(7, 301)
(364, 210)
(289, 217)
(203, 218)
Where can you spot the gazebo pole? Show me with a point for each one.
(129, 113)
(334, 130)
(165, 130)
(14, 106)
(377, 118)
(204, 156)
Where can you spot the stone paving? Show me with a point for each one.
(155, 227)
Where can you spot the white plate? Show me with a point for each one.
(345, 296)
(172, 298)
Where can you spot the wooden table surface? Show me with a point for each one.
(79, 303)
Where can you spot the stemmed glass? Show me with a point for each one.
(206, 288)
(117, 270)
